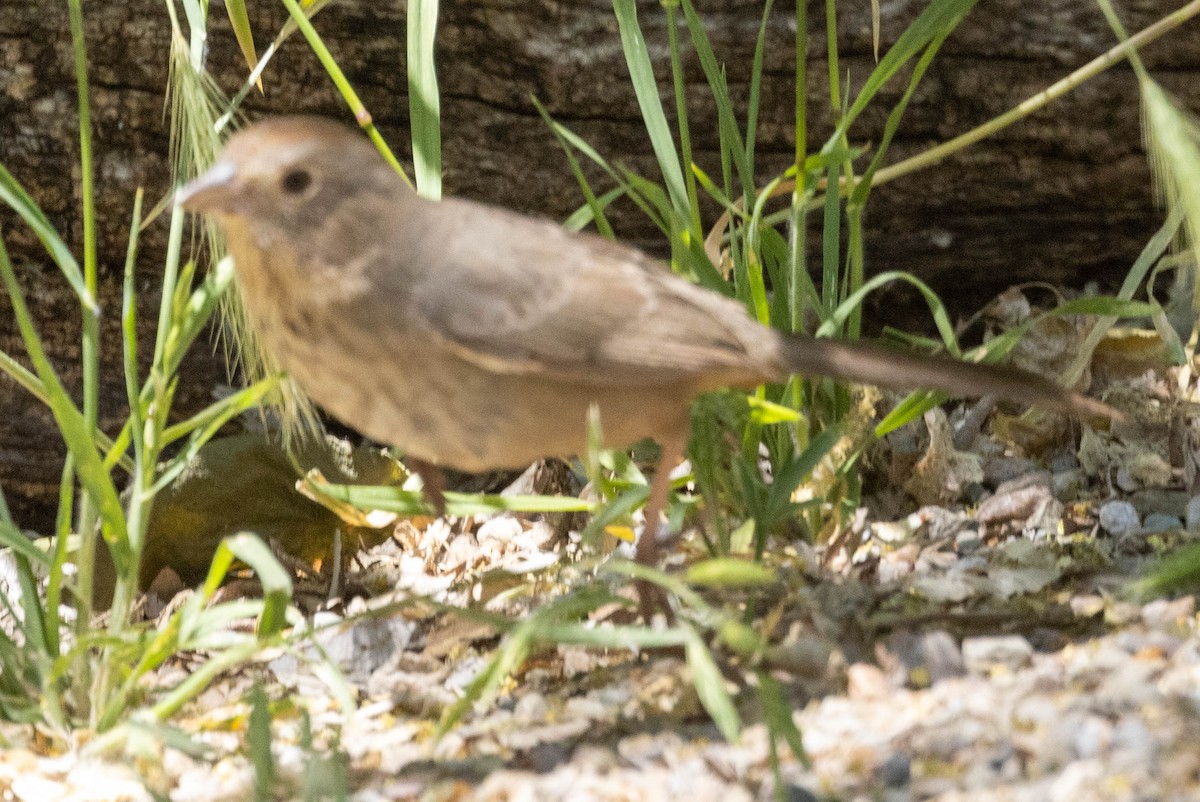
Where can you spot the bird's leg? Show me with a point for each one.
(650, 595)
(433, 483)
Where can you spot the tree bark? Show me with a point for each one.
(1062, 197)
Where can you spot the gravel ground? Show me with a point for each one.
(941, 654)
(947, 706)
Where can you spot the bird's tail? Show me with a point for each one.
(883, 366)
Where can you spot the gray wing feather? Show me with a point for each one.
(525, 296)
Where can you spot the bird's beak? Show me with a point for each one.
(212, 191)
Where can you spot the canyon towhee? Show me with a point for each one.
(476, 338)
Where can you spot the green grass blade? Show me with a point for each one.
(729, 572)
(681, 114)
(779, 498)
(941, 317)
(13, 538)
(710, 687)
(1173, 143)
(917, 403)
(22, 376)
(641, 73)
(129, 335)
(1177, 573)
(581, 145)
(831, 238)
(33, 620)
(424, 105)
(12, 193)
(587, 213)
(862, 187)
(593, 204)
(408, 502)
(731, 137)
(71, 423)
(89, 355)
(621, 507)
(200, 678)
(938, 19)
(1155, 248)
(508, 658)
(516, 647)
(200, 308)
(777, 714)
(799, 287)
(258, 744)
(756, 72)
(832, 61)
(239, 20)
(276, 584)
(213, 417)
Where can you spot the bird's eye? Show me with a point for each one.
(295, 182)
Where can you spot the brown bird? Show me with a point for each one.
(476, 338)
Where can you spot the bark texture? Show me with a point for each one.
(1063, 197)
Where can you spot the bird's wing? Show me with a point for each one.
(516, 295)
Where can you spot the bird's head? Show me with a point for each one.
(289, 173)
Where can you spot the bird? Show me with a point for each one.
(476, 338)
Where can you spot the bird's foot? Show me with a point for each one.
(652, 601)
(433, 483)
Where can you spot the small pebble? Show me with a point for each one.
(967, 542)
(1193, 513)
(546, 757)
(982, 654)
(896, 771)
(796, 793)
(997, 470)
(1087, 605)
(1126, 481)
(1168, 613)
(865, 681)
(1128, 686)
(1134, 741)
(1158, 522)
(1062, 461)
(531, 707)
(1093, 737)
(1119, 519)
(1067, 485)
(1157, 499)
(927, 657)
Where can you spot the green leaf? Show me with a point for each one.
(938, 19)
(777, 714)
(779, 498)
(710, 687)
(764, 412)
(641, 73)
(740, 638)
(941, 317)
(729, 572)
(13, 538)
(731, 137)
(276, 584)
(516, 647)
(424, 103)
(74, 429)
(12, 193)
(1178, 572)
(240, 22)
(258, 742)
